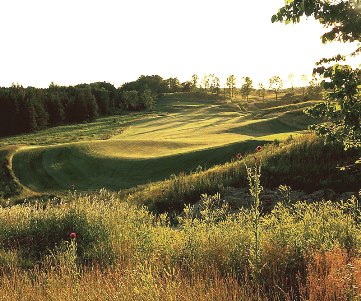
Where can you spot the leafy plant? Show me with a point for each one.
(341, 109)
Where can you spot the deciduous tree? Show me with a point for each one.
(205, 82)
(214, 84)
(261, 91)
(247, 87)
(275, 83)
(194, 81)
(231, 84)
(341, 110)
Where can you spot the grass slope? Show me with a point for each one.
(186, 132)
(8, 184)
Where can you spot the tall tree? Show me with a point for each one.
(194, 81)
(55, 108)
(261, 91)
(205, 82)
(92, 106)
(54, 105)
(231, 84)
(214, 84)
(314, 89)
(186, 86)
(341, 110)
(131, 100)
(38, 97)
(246, 87)
(148, 100)
(275, 83)
(102, 97)
(173, 85)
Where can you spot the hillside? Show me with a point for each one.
(186, 132)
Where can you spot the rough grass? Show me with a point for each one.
(186, 133)
(9, 185)
(101, 129)
(126, 253)
(303, 163)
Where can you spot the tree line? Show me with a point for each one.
(30, 109)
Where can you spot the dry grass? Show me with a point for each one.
(124, 283)
(333, 276)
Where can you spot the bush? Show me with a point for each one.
(36, 230)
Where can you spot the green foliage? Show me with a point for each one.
(261, 91)
(213, 238)
(342, 17)
(172, 85)
(247, 87)
(37, 229)
(131, 100)
(102, 97)
(148, 100)
(194, 82)
(341, 109)
(285, 192)
(231, 84)
(212, 209)
(314, 90)
(214, 84)
(275, 83)
(303, 163)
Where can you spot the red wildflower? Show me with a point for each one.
(239, 156)
(73, 235)
(258, 148)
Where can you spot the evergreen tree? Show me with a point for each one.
(54, 107)
(92, 106)
(102, 97)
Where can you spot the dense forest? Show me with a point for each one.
(31, 109)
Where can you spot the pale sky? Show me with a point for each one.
(77, 41)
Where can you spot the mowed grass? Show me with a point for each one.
(101, 129)
(185, 133)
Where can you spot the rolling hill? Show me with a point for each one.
(186, 132)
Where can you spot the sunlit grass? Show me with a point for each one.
(183, 134)
(102, 128)
(122, 252)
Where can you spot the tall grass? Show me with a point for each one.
(127, 253)
(303, 162)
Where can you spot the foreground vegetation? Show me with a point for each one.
(122, 252)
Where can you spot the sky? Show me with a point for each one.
(82, 41)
